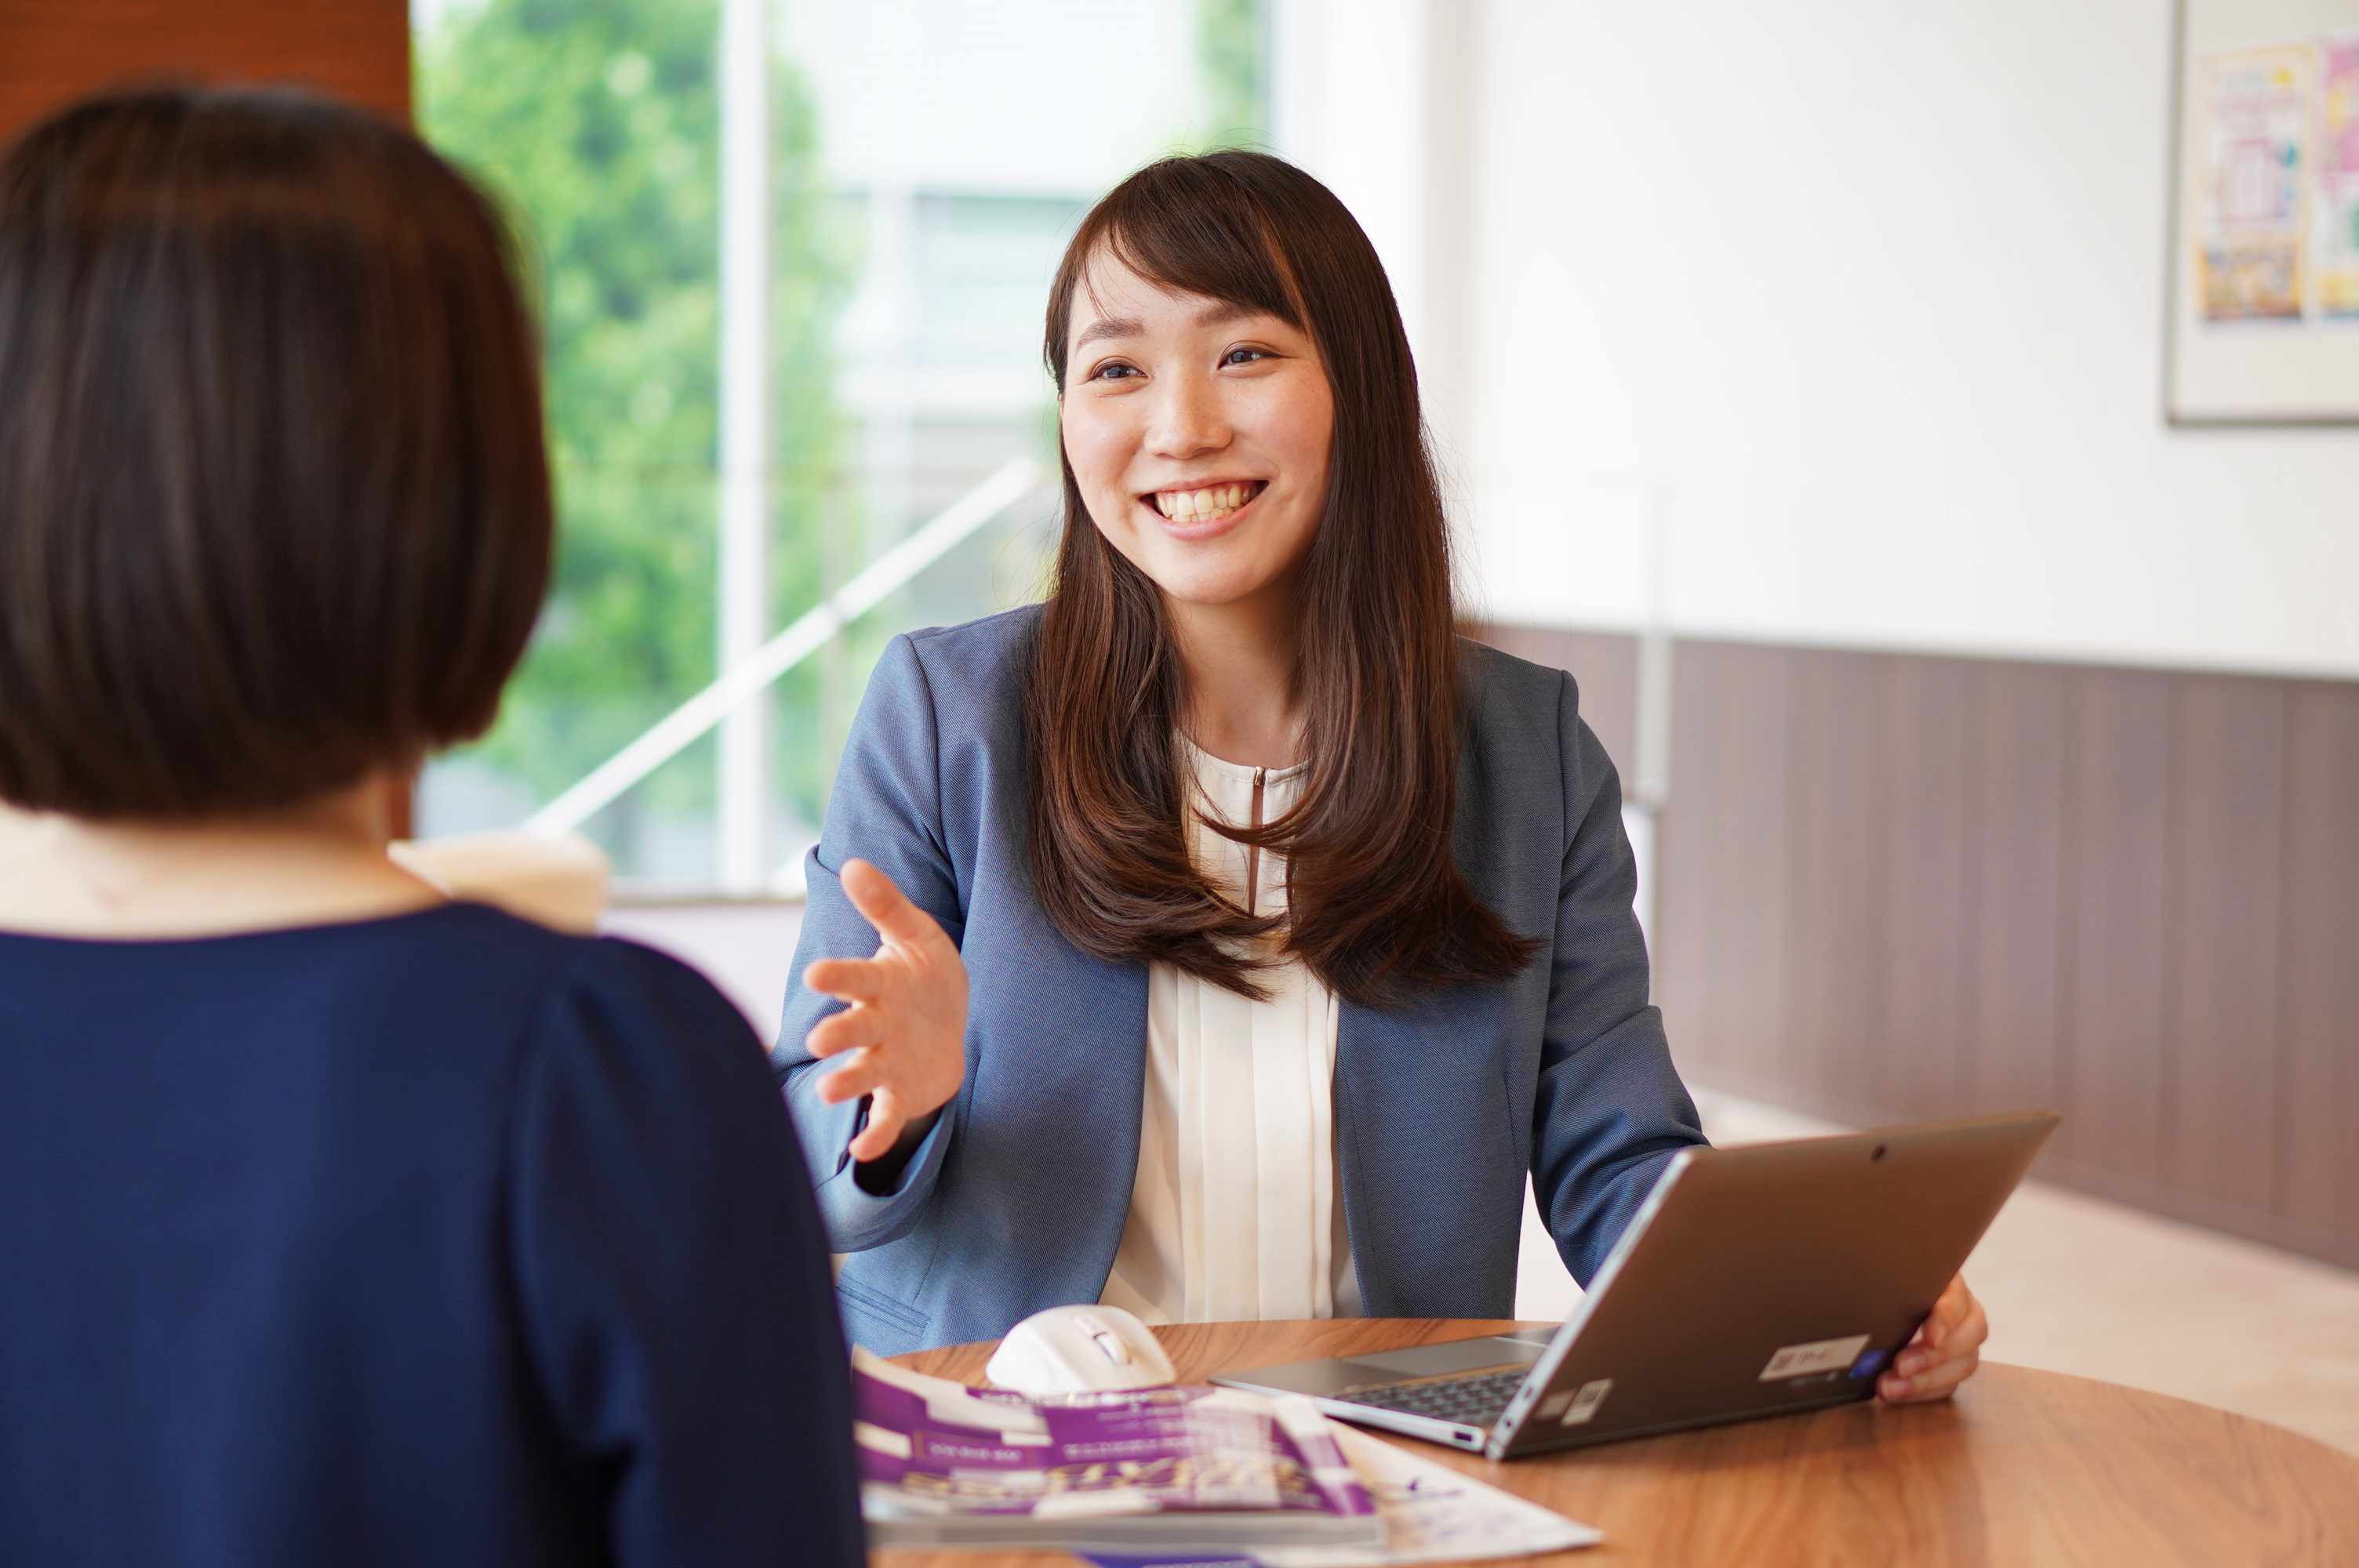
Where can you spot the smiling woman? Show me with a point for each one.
(1315, 620)
(1217, 401)
(1249, 938)
(1184, 416)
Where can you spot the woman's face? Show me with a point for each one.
(1199, 432)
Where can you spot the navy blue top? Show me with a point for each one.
(441, 1239)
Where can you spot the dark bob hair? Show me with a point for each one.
(1380, 909)
(274, 495)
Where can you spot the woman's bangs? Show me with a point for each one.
(1223, 251)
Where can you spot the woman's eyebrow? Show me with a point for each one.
(1221, 312)
(1108, 327)
(1218, 313)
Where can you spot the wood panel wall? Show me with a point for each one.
(1896, 888)
(54, 50)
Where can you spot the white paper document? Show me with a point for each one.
(1433, 1514)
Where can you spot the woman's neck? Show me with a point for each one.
(1243, 701)
(320, 864)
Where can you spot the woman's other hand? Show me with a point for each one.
(903, 1037)
(1944, 1352)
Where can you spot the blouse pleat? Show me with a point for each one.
(1234, 1213)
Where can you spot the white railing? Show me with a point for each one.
(790, 647)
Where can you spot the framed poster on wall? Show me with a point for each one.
(2265, 225)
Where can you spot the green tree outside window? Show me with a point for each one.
(595, 122)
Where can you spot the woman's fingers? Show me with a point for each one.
(903, 1038)
(1949, 1310)
(862, 1073)
(1936, 1382)
(1945, 1351)
(1957, 1325)
(847, 1030)
(885, 906)
(883, 1129)
(854, 979)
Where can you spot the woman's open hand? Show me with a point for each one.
(1944, 1352)
(904, 1037)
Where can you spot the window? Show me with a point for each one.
(925, 162)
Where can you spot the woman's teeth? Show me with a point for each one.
(1211, 502)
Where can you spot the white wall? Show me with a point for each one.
(1864, 297)
(1349, 105)
(1064, 96)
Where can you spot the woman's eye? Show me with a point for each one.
(1113, 372)
(1244, 356)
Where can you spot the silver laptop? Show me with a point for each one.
(1755, 1281)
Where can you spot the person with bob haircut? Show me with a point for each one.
(340, 1223)
(1241, 936)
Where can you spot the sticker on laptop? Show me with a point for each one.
(1584, 1404)
(1818, 1356)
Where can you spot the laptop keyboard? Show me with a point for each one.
(1470, 1401)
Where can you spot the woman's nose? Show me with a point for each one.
(1189, 419)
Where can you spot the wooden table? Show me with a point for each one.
(2023, 1468)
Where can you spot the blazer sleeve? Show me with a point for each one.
(885, 810)
(1610, 1110)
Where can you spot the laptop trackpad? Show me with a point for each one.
(1458, 1356)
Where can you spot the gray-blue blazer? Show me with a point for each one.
(1017, 1199)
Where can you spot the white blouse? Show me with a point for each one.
(1236, 1213)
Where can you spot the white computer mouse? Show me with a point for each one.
(1078, 1350)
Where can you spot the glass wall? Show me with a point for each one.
(926, 160)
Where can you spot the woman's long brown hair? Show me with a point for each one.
(1379, 907)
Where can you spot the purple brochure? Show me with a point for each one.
(1104, 1468)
